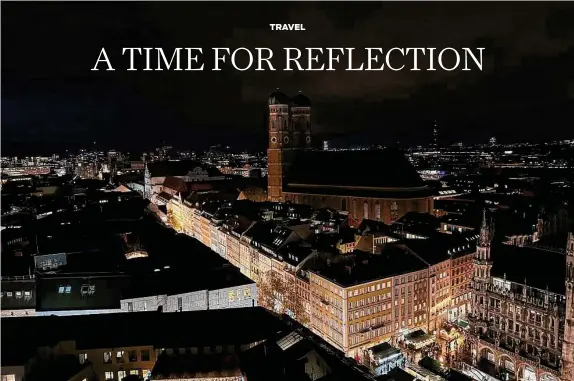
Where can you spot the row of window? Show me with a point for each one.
(369, 300)
(146, 374)
(365, 290)
(16, 294)
(120, 356)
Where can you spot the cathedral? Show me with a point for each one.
(379, 185)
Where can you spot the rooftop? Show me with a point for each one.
(177, 330)
(439, 247)
(547, 268)
(361, 267)
(324, 168)
(195, 366)
(173, 281)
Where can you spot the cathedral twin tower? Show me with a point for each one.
(289, 131)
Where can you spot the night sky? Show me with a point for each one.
(51, 100)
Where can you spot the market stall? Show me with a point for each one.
(418, 339)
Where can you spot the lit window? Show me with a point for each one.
(109, 375)
(121, 375)
(18, 294)
(68, 289)
(120, 357)
(61, 290)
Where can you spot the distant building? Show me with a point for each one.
(326, 145)
(435, 141)
(186, 170)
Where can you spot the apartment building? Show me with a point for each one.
(358, 302)
(444, 256)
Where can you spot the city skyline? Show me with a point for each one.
(58, 102)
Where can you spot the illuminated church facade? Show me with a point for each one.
(378, 184)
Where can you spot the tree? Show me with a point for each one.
(280, 295)
(270, 291)
(293, 302)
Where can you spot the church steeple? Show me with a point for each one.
(279, 143)
(486, 231)
(482, 261)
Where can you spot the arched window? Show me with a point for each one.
(394, 211)
(366, 210)
(378, 211)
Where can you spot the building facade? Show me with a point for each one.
(200, 300)
(520, 332)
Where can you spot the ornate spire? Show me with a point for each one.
(486, 231)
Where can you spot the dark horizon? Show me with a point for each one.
(53, 102)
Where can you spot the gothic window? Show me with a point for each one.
(365, 210)
(286, 139)
(378, 211)
(307, 125)
(285, 124)
(394, 211)
(354, 209)
(344, 204)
